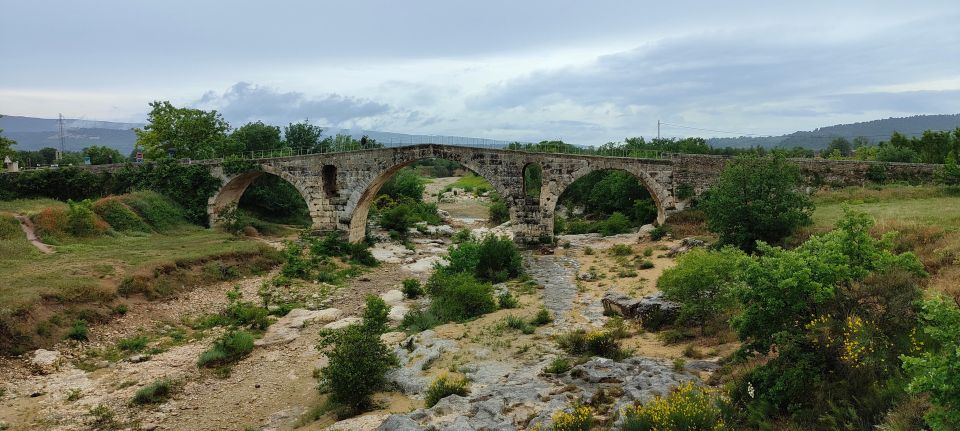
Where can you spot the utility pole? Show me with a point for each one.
(62, 149)
(658, 130)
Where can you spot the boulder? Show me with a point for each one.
(288, 327)
(654, 312)
(46, 361)
(397, 312)
(392, 297)
(685, 245)
(618, 303)
(342, 323)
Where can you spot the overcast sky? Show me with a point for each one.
(585, 72)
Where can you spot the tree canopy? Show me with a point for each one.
(183, 132)
(257, 136)
(756, 198)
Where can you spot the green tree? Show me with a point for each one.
(949, 174)
(303, 135)
(404, 184)
(841, 145)
(103, 155)
(936, 370)
(757, 198)
(257, 137)
(704, 283)
(183, 132)
(6, 145)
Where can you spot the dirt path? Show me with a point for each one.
(27, 226)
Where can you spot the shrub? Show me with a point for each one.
(102, 418)
(295, 265)
(78, 331)
(119, 216)
(158, 210)
(397, 219)
(658, 233)
(359, 253)
(604, 343)
(617, 223)
(498, 259)
(244, 313)
(704, 282)
(155, 393)
(687, 407)
(936, 371)
(580, 419)
(645, 264)
(459, 296)
(754, 199)
(443, 387)
(514, 322)
(419, 320)
(620, 250)
(411, 288)
(574, 342)
(133, 344)
(498, 212)
(542, 317)
(231, 347)
(375, 315)
(358, 363)
(82, 221)
(559, 365)
(647, 252)
(506, 300)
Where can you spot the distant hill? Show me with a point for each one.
(36, 133)
(874, 131)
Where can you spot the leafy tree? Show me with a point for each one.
(936, 370)
(6, 145)
(257, 136)
(950, 173)
(704, 283)
(892, 153)
(405, 183)
(756, 198)
(840, 145)
(302, 135)
(184, 132)
(100, 155)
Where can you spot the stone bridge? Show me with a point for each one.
(340, 187)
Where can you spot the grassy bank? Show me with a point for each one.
(42, 295)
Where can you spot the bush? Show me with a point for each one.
(757, 199)
(78, 331)
(936, 371)
(645, 264)
(580, 419)
(658, 233)
(459, 297)
(443, 387)
(358, 363)
(133, 344)
(559, 365)
(411, 288)
(542, 317)
(620, 250)
(493, 259)
(498, 212)
(231, 347)
(375, 315)
(82, 221)
(514, 322)
(155, 393)
(158, 210)
(506, 300)
(119, 216)
(617, 223)
(419, 321)
(704, 282)
(595, 343)
(688, 407)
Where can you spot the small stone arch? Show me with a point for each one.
(234, 186)
(359, 204)
(531, 167)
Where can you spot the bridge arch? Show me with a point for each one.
(358, 206)
(235, 185)
(553, 190)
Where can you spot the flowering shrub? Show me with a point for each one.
(688, 407)
(580, 419)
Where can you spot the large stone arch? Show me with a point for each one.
(233, 187)
(554, 188)
(357, 209)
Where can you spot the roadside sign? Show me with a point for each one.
(139, 156)
(86, 160)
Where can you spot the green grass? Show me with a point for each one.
(471, 182)
(30, 206)
(933, 206)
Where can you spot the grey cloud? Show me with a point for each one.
(245, 102)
